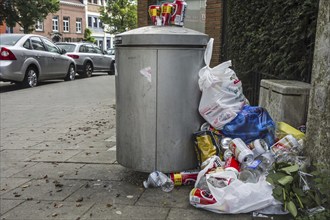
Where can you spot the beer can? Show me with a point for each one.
(241, 152)
(285, 144)
(184, 178)
(224, 143)
(258, 146)
(166, 12)
(227, 154)
(179, 13)
(154, 13)
(232, 165)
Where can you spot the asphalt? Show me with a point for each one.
(58, 159)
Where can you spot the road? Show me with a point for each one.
(58, 158)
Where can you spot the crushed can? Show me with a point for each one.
(180, 7)
(184, 178)
(258, 147)
(166, 12)
(154, 13)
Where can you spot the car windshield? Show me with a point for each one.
(67, 47)
(9, 39)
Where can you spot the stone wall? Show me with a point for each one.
(318, 121)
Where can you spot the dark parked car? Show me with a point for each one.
(28, 58)
(89, 58)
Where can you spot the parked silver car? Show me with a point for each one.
(89, 58)
(28, 59)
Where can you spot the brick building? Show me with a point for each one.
(67, 24)
(202, 15)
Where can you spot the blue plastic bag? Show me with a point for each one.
(252, 123)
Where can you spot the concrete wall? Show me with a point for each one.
(318, 121)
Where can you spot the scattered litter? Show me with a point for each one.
(109, 205)
(130, 197)
(54, 214)
(25, 186)
(118, 212)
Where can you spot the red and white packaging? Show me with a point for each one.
(184, 178)
(232, 164)
(201, 197)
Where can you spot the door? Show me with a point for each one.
(40, 53)
(58, 63)
(101, 59)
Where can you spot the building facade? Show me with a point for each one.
(93, 7)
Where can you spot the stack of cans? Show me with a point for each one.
(168, 13)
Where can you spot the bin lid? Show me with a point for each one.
(289, 87)
(161, 35)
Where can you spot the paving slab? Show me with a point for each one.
(8, 169)
(17, 155)
(94, 156)
(99, 172)
(121, 212)
(18, 145)
(6, 205)
(54, 155)
(56, 145)
(41, 210)
(155, 197)
(8, 184)
(45, 189)
(50, 170)
(112, 192)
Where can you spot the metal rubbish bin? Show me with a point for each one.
(157, 97)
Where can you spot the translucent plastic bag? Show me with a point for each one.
(236, 197)
(222, 93)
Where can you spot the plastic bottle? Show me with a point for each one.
(252, 172)
(159, 179)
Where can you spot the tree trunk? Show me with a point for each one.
(318, 120)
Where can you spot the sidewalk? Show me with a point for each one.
(64, 167)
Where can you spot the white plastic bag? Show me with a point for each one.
(222, 93)
(237, 197)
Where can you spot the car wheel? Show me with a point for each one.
(31, 77)
(112, 68)
(71, 75)
(88, 70)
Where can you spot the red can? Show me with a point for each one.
(166, 12)
(180, 7)
(201, 197)
(154, 13)
(232, 164)
(184, 178)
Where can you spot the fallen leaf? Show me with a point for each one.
(80, 199)
(54, 214)
(109, 205)
(25, 186)
(78, 205)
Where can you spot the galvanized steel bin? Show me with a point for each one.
(157, 97)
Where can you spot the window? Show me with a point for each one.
(39, 26)
(27, 44)
(78, 25)
(37, 44)
(50, 46)
(55, 23)
(95, 22)
(90, 21)
(66, 24)
(100, 23)
(98, 50)
(95, 1)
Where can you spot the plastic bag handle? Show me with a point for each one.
(208, 52)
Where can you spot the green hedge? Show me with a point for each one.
(272, 37)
